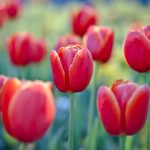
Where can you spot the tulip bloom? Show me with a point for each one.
(123, 107)
(72, 68)
(137, 49)
(67, 40)
(83, 19)
(27, 119)
(13, 8)
(99, 40)
(24, 49)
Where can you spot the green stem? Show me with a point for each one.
(148, 121)
(122, 140)
(148, 131)
(129, 141)
(92, 98)
(22, 146)
(70, 133)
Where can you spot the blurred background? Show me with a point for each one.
(50, 19)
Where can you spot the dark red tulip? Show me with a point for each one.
(27, 119)
(13, 8)
(99, 40)
(24, 49)
(123, 107)
(3, 15)
(83, 19)
(67, 40)
(137, 49)
(72, 68)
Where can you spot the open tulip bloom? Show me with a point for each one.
(123, 107)
(72, 68)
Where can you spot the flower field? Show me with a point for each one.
(54, 98)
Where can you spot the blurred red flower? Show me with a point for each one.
(24, 49)
(67, 40)
(83, 19)
(99, 40)
(28, 109)
(13, 8)
(119, 106)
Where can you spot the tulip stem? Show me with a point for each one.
(122, 141)
(70, 133)
(22, 146)
(148, 131)
(148, 119)
(92, 97)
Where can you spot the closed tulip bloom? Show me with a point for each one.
(136, 49)
(83, 19)
(99, 40)
(123, 107)
(13, 8)
(24, 49)
(67, 40)
(28, 119)
(72, 68)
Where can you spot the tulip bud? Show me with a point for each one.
(72, 68)
(67, 40)
(137, 50)
(119, 106)
(99, 40)
(83, 19)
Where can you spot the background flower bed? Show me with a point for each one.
(50, 22)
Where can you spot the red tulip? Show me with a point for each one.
(28, 119)
(67, 40)
(3, 15)
(83, 19)
(137, 49)
(99, 40)
(23, 49)
(13, 8)
(72, 68)
(123, 107)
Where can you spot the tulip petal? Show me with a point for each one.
(136, 110)
(57, 71)
(10, 87)
(109, 110)
(80, 71)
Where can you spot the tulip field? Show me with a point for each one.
(74, 76)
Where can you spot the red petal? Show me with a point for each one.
(109, 110)
(57, 71)
(136, 110)
(10, 87)
(80, 71)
